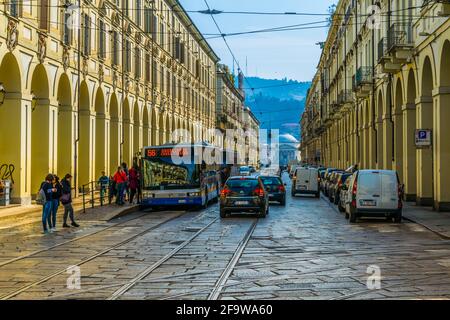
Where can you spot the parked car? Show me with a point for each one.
(337, 182)
(323, 181)
(343, 194)
(321, 176)
(374, 193)
(306, 181)
(276, 188)
(244, 194)
(330, 182)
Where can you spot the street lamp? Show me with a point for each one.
(2, 94)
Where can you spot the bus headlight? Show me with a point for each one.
(194, 194)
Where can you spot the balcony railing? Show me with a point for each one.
(400, 35)
(345, 96)
(363, 76)
(382, 47)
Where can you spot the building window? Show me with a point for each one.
(43, 15)
(14, 8)
(67, 30)
(162, 74)
(115, 46)
(127, 56)
(138, 12)
(147, 67)
(161, 37)
(154, 74)
(101, 40)
(147, 20)
(86, 35)
(137, 62)
(154, 27)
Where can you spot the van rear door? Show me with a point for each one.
(314, 180)
(303, 179)
(389, 190)
(369, 194)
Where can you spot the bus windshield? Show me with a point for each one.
(163, 174)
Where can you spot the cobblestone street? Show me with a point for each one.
(306, 250)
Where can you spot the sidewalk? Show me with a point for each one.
(437, 222)
(17, 215)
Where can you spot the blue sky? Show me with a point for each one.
(291, 54)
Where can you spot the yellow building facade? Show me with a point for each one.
(82, 100)
(384, 73)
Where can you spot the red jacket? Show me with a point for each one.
(134, 179)
(120, 177)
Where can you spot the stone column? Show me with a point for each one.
(424, 120)
(409, 152)
(441, 135)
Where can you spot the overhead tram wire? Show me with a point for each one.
(210, 11)
(229, 48)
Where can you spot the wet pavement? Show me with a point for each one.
(306, 250)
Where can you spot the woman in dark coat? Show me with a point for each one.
(66, 200)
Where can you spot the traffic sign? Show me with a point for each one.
(423, 138)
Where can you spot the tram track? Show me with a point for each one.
(33, 253)
(88, 259)
(217, 288)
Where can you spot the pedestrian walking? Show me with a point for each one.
(121, 180)
(66, 200)
(103, 182)
(134, 183)
(112, 189)
(55, 202)
(126, 187)
(46, 191)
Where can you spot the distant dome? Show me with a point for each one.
(287, 138)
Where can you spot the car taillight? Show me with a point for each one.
(355, 188)
(281, 188)
(225, 192)
(354, 191)
(400, 195)
(259, 192)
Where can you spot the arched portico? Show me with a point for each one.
(115, 134)
(425, 115)
(66, 120)
(442, 134)
(15, 115)
(43, 129)
(101, 134)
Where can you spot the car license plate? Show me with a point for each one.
(368, 203)
(241, 203)
(271, 195)
(182, 201)
(302, 187)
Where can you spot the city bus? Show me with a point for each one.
(180, 175)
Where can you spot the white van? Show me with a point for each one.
(306, 181)
(374, 193)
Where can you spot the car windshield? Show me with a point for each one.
(242, 186)
(245, 169)
(271, 181)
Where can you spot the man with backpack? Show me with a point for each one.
(46, 198)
